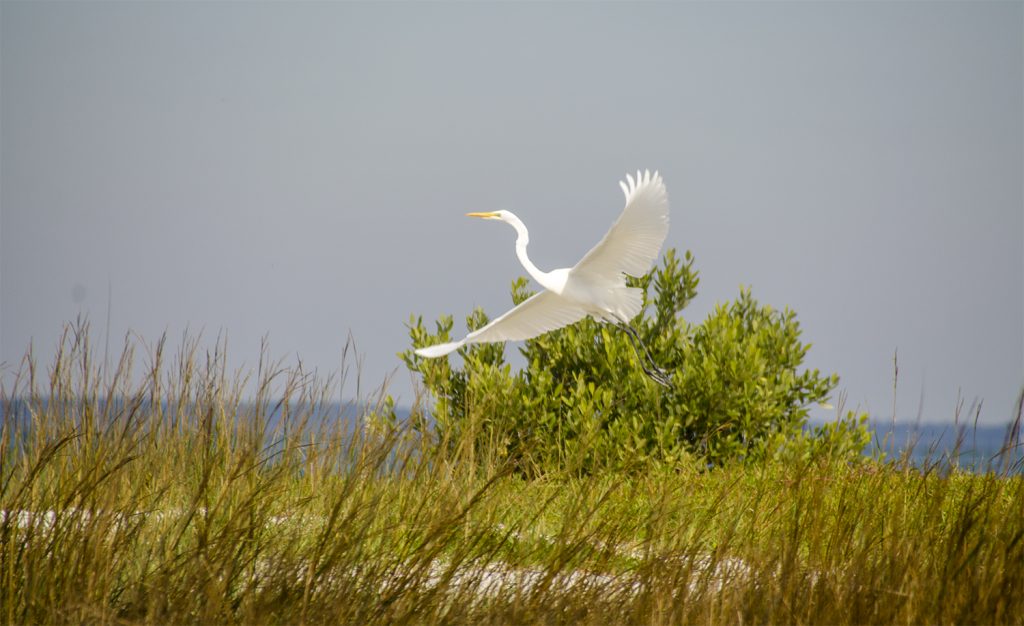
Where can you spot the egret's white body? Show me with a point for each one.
(595, 286)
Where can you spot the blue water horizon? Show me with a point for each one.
(971, 447)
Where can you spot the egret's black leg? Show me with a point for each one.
(635, 339)
(654, 372)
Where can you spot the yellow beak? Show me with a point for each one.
(491, 215)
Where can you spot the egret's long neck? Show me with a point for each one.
(521, 241)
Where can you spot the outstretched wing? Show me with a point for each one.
(634, 241)
(543, 312)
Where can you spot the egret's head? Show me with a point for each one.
(491, 215)
(509, 218)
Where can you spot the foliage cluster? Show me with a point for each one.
(582, 399)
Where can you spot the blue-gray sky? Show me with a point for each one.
(302, 170)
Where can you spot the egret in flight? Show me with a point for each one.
(596, 286)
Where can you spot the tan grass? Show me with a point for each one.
(172, 497)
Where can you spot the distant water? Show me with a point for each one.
(975, 448)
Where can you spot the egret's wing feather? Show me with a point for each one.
(441, 349)
(634, 241)
(537, 315)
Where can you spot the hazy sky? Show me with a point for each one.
(302, 170)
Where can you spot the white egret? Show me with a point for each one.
(596, 286)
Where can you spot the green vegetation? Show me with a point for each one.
(584, 402)
(177, 501)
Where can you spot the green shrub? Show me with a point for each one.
(582, 400)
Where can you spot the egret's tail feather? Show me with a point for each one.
(631, 303)
(441, 349)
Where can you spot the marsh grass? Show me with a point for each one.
(195, 494)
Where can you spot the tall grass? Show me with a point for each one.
(193, 494)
